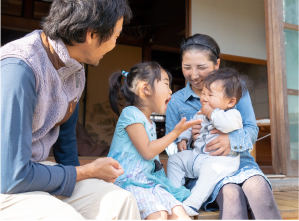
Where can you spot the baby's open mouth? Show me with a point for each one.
(166, 102)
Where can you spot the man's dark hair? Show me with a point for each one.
(71, 19)
(233, 83)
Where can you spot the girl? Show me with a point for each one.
(249, 187)
(146, 90)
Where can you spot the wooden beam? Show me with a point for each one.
(243, 59)
(188, 19)
(293, 92)
(291, 26)
(28, 9)
(280, 135)
(127, 40)
(19, 23)
(165, 48)
(146, 53)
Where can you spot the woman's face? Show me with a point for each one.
(196, 66)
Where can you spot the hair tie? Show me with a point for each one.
(125, 74)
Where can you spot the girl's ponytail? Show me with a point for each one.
(123, 92)
(115, 94)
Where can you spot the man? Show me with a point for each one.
(42, 79)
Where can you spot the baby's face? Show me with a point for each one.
(215, 97)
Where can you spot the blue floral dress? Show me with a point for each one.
(153, 190)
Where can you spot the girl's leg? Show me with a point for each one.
(160, 215)
(178, 212)
(260, 198)
(232, 202)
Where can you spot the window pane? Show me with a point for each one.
(293, 123)
(291, 50)
(290, 11)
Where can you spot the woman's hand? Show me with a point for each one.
(182, 145)
(221, 144)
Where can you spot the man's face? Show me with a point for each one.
(94, 52)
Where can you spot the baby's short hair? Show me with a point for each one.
(233, 83)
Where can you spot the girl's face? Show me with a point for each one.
(196, 66)
(162, 93)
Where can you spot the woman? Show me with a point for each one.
(249, 187)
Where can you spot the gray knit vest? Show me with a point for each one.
(57, 90)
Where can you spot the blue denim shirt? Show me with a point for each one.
(185, 103)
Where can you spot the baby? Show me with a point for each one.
(222, 89)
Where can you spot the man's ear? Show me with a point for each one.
(89, 36)
(145, 88)
(232, 102)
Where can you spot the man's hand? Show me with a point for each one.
(182, 145)
(106, 169)
(206, 110)
(221, 144)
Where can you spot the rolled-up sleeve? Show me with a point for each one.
(18, 173)
(243, 139)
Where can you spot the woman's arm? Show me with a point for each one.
(149, 149)
(244, 138)
(240, 140)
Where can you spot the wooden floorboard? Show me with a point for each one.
(287, 203)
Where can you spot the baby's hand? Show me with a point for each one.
(182, 145)
(206, 110)
(184, 125)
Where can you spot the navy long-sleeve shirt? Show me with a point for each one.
(18, 173)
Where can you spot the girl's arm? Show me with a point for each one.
(149, 149)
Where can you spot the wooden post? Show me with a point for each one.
(280, 136)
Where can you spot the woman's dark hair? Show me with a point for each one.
(122, 92)
(233, 83)
(203, 43)
(71, 19)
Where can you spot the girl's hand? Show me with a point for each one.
(182, 145)
(221, 144)
(184, 125)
